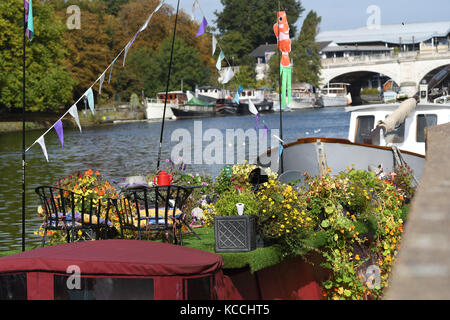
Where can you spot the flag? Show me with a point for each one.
(280, 150)
(59, 130)
(74, 113)
(194, 6)
(28, 4)
(102, 78)
(214, 44)
(219, 60)
(89, 95)
(265, 131)
(238, 92)
(229, 74)
(202, 28)
(251, 107)
(144, 26)
(110, 71)
(41, 141)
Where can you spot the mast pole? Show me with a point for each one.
(167, 89)
(23, 127)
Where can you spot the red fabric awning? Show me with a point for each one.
(115, 257)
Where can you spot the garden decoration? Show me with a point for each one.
(240, 208)
(281, 30)
(163, 178)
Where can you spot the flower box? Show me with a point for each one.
(234, 233)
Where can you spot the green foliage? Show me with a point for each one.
(47, 81)
(307, 65)
(254, 19)
(226, 205)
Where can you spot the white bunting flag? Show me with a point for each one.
(41, 141)
(74, 113)
(229, 74)
(90, 98)
(150, 17)
(214, 44)
(102, 78)
(194, 6)
(127, 47)
(251, 107)
(219, 60)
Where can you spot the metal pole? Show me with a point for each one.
(279, 89)
(167, 89)
(23, 129)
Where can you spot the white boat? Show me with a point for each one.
(155, 107)
(211, 94)
(302, 97)
(442, 99)
(334, 95)
(378, 138)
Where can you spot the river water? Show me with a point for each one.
(127, 149)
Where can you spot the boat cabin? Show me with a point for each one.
(337, 88)
(212, 92)
(408, 136)
(173, 97)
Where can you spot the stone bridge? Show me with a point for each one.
(407, 69)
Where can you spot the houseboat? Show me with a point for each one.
(155, 107)
(334, 95)
(257, 96)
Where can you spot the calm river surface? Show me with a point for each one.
(122, 150)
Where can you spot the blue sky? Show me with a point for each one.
(347, 14)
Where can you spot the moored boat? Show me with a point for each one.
(194, 108)
(155, 107)
(334, 95)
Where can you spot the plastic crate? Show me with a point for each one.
(234, 234)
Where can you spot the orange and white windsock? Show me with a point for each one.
(281, 30)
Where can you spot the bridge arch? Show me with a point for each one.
(438, 65)
(329, 74)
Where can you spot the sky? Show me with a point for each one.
(346, 14)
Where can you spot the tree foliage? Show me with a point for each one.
(48, 83)
(305, 52)
(254, 19)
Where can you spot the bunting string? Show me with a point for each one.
(89, 94)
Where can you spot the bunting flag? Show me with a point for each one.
(266, 129)
(102, 78)
(59, 130)
(202, 28)
(219, 60)
(229, 74)
(280, 150)
(214, 44)
(256, 120)
(74, 113)
(194, 6)
(110, 71)
(89, 95)
(28, 4)
(238, 92)
(144, 26)
(41, 141)
(252, 108)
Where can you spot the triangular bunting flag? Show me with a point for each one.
(41, 141)
(74, 113)
(214, 44)
(127, 47)
(238, 92)
(229, 74)
(202, 28)
(219, 60)
(110, 71)
(102, 78)
(150, 17)
(251, 107)
(194, 6)
(280, 150)
(90, 98)
(58, 126)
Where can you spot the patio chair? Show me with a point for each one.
(153, 210)
(73, 212)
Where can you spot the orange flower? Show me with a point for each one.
(97, 173)
(89, 172)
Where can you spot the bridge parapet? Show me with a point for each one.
(384, 58)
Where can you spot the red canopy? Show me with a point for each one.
(115, 257)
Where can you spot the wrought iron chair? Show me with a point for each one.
(153, 210)
(73, 212)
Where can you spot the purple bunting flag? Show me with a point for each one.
(265, 131)
(59, 130)
(202, 28)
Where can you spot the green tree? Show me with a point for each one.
(49, 85)
(254, 19)
(305, 52)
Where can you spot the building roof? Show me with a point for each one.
(262, 49)
(390, 33)
(345, 48)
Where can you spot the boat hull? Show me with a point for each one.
(262, 107)
(187, 114)
(155, 111)
(326, 101)
(315, 155)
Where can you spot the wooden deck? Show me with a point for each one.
(422, 271)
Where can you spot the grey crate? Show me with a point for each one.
(234, 234)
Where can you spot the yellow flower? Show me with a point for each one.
(357, 257)
(341, 290)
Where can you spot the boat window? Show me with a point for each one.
(364, 127)
(13, 286)
(103, 288)
(198, 288)
(423, 121)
